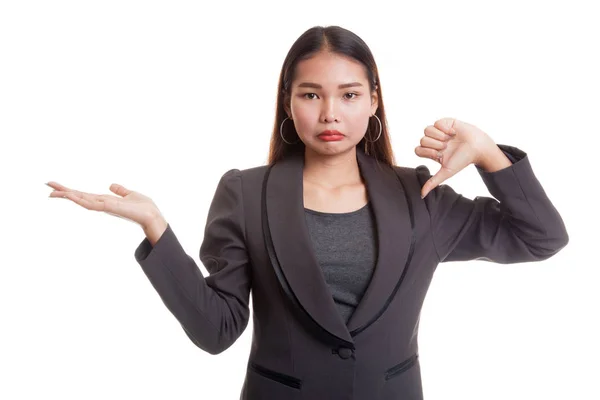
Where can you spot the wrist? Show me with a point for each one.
(155, 220)
(155, 228)
(492, 159)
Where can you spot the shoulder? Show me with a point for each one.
(245, 173)
(246, 180)
(419, 174)
(252, 176)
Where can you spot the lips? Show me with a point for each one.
(331, 133)
(330, 136)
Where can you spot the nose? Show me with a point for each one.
(329, 113)
(330, 118)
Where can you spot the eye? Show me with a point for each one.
(353, 95)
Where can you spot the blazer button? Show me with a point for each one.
(345, 353)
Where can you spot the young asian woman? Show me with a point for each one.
(335, 242)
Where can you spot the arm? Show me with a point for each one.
(521, 225)
(213, 311)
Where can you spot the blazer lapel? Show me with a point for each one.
(395, 239)
(295, 263)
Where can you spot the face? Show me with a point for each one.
(330, 92)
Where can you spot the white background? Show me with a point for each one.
(164, 97)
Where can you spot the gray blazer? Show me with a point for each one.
(256, 238)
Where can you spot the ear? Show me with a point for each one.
(286, 105)
(374, 101)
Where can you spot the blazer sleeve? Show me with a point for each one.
(519, 225)
(213, 311)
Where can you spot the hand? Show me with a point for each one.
(132, 206)
(454, 144)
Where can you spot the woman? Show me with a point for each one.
(337, 243)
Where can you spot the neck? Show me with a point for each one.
(331, 171)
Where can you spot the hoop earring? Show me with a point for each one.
(380, 130)
(281, 132)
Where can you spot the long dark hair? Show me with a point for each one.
(343, 42)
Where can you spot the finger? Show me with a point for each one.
(433, 143)
(447, 125)
(88, 201)
(442, 175)
(428, 187)
(435, 133)
(91, 198)
(79, 199)
(120, 190)
(105, 203)
(58, 186)
(58, 193)
(426, 152)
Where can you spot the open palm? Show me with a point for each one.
(129, 204)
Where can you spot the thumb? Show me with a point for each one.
(435, 181)
(120, 190)
(449, 126)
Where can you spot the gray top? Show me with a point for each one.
(344, 245)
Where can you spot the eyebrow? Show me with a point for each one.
(317, 86)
